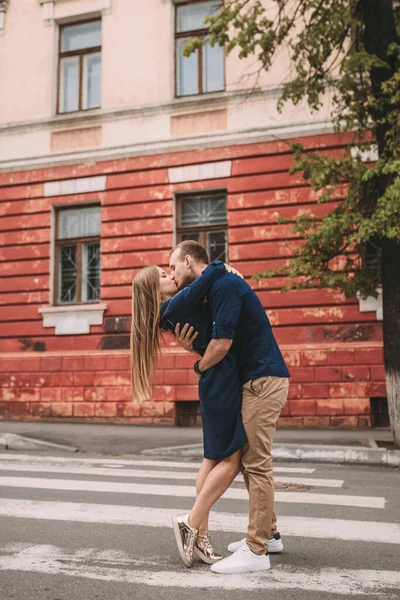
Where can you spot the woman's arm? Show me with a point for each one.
(193, 295)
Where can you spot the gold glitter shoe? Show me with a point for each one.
(185, 538)
(204, 550)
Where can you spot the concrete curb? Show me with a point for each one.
(303, 452)
(12, 441)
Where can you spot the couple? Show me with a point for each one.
(243, 385)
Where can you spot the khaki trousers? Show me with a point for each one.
(262, 403)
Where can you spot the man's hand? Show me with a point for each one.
(186, 336)
(233, 270)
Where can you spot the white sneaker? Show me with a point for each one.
(242, 561)
(275, 544)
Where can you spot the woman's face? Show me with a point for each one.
(168, 287)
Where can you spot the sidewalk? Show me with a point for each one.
(319, 445)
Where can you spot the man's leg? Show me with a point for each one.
(263, 400)
(274, 528)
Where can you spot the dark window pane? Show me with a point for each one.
(216, 245)
(372, 259)
(67, 274)
(203, 210)
(379, 412)
(81, 36)
(91, 272)
(190, 236)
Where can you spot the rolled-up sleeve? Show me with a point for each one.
(226, 305)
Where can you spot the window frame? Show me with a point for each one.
(67, 242)
(201, 229)
(194, 33)
(71, 54)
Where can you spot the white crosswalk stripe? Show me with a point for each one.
(27, 463)
(184, 491)
(50, 559)
(111, 471)
(338, 529)
(35, 477)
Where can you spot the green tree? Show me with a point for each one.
(350, 49)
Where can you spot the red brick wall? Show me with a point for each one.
(137, 229)
(330, 386)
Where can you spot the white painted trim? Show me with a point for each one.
(52, 290)
(48, 10)
(71, 308)
(371, 304)
(82, 185)
(176, 106)
(169, 146)
(366, 155)
(72, 320)
(201, 171)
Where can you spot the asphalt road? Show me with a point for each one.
(82, 528)
(130, 439)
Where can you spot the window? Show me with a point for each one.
(78, 255)
(379, 412)
(202, 217)
(188, 414)
(203, 71)
(79, 67)
(371, 255)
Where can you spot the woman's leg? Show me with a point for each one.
(205, 469)
(216, 483)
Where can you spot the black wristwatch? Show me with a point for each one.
(196, 369)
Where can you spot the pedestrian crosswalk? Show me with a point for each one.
(133, 496)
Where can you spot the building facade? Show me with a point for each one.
(113, 147)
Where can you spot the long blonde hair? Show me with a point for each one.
(145, 329)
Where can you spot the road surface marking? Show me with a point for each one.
(51, 560)
(109, 471)
(312, 527)
(74, 463)
(183, 491)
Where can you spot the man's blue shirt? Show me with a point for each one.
(238, 314)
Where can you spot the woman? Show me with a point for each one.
(157, 305)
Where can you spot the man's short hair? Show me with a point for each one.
(194, 249)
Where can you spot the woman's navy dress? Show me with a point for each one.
(220, 391)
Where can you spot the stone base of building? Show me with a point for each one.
(331, 386)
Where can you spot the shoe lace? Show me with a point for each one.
(242, 548)
(192, 539)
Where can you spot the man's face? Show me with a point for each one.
(181, 271)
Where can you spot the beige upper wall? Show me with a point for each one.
(137, 55)
(26, 64)
(139, 112)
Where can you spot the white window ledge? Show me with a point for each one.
(372, 304)
(49, 9)
(72, 319)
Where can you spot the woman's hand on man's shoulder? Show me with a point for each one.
(232, 270)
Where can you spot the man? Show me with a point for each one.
(240, 323)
